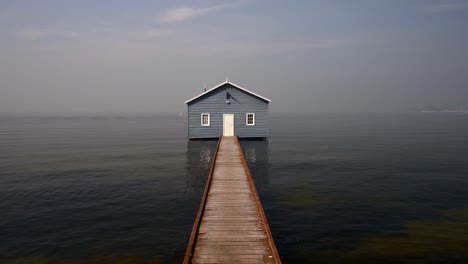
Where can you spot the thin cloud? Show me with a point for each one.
(158, 32)
(183, 13)
(43, 33)
(446, 7)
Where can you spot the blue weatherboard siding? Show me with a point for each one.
(214, 103)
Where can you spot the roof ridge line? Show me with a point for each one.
(233, 84)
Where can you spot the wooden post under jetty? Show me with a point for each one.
(231, 226)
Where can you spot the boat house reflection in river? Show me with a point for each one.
(200, 154)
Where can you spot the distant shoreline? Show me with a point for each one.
(444, 111)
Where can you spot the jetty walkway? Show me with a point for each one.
(231, 226)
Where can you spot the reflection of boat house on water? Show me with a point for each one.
(199, 156)
(256, 157)
(228, 110)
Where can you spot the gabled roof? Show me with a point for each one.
(233, 84)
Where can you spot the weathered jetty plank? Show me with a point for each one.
(231, 226)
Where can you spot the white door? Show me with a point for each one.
(228, 125)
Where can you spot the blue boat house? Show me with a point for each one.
(228, 110)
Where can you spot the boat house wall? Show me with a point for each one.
(227, 98)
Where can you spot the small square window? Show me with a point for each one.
(250, 119)
(205, 119)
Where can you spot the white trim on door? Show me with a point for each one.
(228, 129)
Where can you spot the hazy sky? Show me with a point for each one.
(68, 56)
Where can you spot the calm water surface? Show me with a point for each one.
(336, 188)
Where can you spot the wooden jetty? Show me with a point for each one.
(231, 226)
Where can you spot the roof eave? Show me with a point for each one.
(205, 92)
